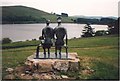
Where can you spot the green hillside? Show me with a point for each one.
(22, 14)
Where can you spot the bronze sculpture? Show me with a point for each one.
(46, 42)
(60, 33)
(57, 35)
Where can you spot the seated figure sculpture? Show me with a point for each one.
(46, 42)
(60, 33)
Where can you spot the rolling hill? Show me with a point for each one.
(23, 14)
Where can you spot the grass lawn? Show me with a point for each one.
(99, 53)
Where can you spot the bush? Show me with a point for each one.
(6, 40)
(101, 33)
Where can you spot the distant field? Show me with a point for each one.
(99, 53)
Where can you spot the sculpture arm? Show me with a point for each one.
(43, 33)
(66, 39)
(42, 40)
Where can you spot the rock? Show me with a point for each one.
(45, 76)
(58, 77)
(52, 64)
(45, 67)
(61, 66)
(64, 76)
(36, 76)
(53, 75)
(49, 75)
(74, 66)
(92, 70)
(86, 72)
(41, 65)
(28, 72)
(28, 68)
(10, 77)
(23, 74)
(10, 70)
(87, 67)
(20, 69)
(27, 76)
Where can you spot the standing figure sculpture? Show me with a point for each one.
(60, 33)
(47, 36)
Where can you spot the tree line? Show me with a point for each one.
(22, 19)
(103, 21)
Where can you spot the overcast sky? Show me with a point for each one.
(72, 7)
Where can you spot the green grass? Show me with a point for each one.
(94, 42)
(106, 58)
(104, 70)
(99, 53)
(80, 43)
(21, 44)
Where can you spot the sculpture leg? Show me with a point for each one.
(66, 52)
(37, 52)
(60, 52)
(55, 52)
(48, 52)
(44, 53)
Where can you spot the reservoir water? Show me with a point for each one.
(22, 32)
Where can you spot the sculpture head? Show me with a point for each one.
(47, 22)
(88, 24)
(59, 22)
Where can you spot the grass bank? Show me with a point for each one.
(98, 53)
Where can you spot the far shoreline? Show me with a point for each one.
(51, 23)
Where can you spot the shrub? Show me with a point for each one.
(6, 40)
(101, 33)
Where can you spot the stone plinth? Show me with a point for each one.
(72, 63)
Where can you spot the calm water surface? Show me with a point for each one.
(22, 32)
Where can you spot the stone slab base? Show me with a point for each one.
(72, 63)
(52, 56)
